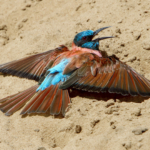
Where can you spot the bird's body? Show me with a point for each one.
(82, 67)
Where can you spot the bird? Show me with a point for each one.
(58, 70)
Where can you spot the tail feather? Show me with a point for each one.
(31, 103)
(18, 105)
(12, 97)
(55, 107)
(16, 99)
(47, 101)
(65, 101)
(39, 102)
(50, 100)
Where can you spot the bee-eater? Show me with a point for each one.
(83, 67)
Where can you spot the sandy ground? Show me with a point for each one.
(94, 121)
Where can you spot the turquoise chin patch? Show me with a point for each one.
(91, 45)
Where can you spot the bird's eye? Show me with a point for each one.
(84, 38)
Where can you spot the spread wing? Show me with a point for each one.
(96, 74)
(32, 67)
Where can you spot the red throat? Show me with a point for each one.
(74, 47)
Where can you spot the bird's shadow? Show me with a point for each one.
(106, 96)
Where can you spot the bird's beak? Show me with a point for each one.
(101, 38)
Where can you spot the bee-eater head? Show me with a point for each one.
(84, 39)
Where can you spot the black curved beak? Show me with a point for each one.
(102, 38)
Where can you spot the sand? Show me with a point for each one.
(94, 121)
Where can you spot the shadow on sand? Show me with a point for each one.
(107, 96)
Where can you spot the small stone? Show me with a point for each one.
(139, 145)
(38, 0)
(139, 131)
(78, 129)
(93, 101)
(25, 20)
(112, 109)
(107, 45)
(109, 103)
(99, 21)
(118, 51)
(108, 111)
(127, 145)
(123, 144)
(146, 45)
(3, 35)
(136, 35)
(54, 145)
(118, 31)
(93, 123)
(137, 112)
(28, 5)
(3, 42)
(3, 27)
(41, 148)
(23, 9)
(113, 127)
(78, 7)
(131, 59)
(112, 124)
(140, 140)
(138, 59)
(146, 11)
(120, 21)
(20, 26)
(122, 44)
(125, 55)
(36, 130)
(79, 23)
(116, 113)
(129, 119)
(87, 20)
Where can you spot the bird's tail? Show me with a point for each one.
(52, 98)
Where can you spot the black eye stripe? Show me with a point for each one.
(83, 40)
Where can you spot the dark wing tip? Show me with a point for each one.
(20, 74)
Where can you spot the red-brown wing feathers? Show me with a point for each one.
(32, 67)
(106, 74)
